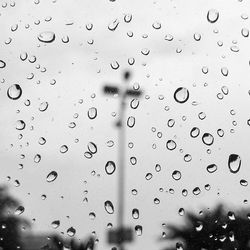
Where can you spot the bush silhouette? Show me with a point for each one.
(10, 225)
(214, 230)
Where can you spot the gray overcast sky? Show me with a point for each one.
(79, 61)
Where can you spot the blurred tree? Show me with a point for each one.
(214, 230)
(10, 225)
(86, 245)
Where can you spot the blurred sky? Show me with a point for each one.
(81, 65)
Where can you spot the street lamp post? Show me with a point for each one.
(121, 234)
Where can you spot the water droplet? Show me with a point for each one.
(211, 168)
(46, 37)
(138, 230)
(224, 71)
(148, 176)
(109, 207)
(2, 64)
(55, 224)
(113, 25)
(133, 160)
(197, 36)
(194, 132)
(169, 37)
(131, 121)
(89, 26)
(234, 163)
(92, 215)
(71, 231)
(14, 92)
(43, 106)
(196, 191)
(135, 213)
(52, 176)
(187, 157)
(64, 149)
(176, 175)
(110, 167)
(245, 32)
(115, 65)
(212, 15)
(235, 48)
(145, 51)
(134, 103)
(243, 183)
(181, 95)
(19, 210)
(156, 25)
(92, 113)
(171, 145)
(88, 155)
(207, 139)
(42, 141)
(23, 56)
(92, 147)
(20, 125)
(171, 123)
(128, 18)
(37, 158)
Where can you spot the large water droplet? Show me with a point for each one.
(109, 207)
(234, 163)
(14, 92)
(110, 167)
(212, 15)
(92, 147)
(64, 149)
(138, 230)
(131, 121)
(176, 175)
(207, 139)
(92, 113)
(55, 224)
(181, 95)
(194, 132)
(52, 176)
(71, 231)
(171, 145)
(46, 37)
(19, 210)
(20, 125)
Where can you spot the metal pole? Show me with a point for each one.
(121, 166)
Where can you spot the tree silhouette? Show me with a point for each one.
(10, 225)
(214, 230)
(86, 245)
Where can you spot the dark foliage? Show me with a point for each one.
(10, 225)
(214, 230)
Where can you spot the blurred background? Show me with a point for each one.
(187, 136)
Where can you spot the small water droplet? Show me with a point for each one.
(135, 213)
(43, 106)
(131, 121)
(138, 230)
(109, 207)
(211, 168)
(113, 25)
(245, 32)
(37, 158)
(64, 149)
(2, 64)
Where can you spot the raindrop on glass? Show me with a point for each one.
(212, 15)
(181, 95)
(14, 92)
(52, 176)
(234, 163)
(46, 37)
